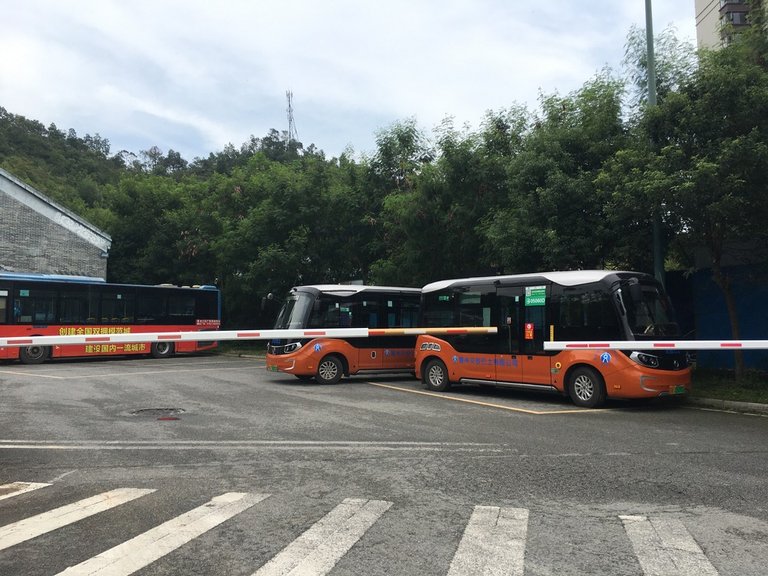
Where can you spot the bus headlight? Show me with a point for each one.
(292, 347)
(645, 359)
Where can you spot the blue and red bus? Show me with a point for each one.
(56, 305)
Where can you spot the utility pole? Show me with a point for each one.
(658, 250)
(293, 135)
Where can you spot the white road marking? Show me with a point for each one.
(35, 526)
(121, 374)
(16, 488)
(666, 548)
(251, 445)
(493, 543)
(317, 551)
(134, 554)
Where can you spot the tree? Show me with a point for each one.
(674, 63)
(554, 217)
(708, 163)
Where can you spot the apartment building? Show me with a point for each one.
(717, 21)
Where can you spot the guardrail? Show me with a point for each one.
(218, 335)
(661, 345)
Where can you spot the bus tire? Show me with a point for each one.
(330, 370)
(34, 354)
(586, 387)
(162, 349)
(436, 376)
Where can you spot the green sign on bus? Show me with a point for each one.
(535, 295)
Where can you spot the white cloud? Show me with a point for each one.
(194, 75)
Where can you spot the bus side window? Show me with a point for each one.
(3, 309)
(586, 314)
(35, 306)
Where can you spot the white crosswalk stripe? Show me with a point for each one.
(493, 543)
(317, 551)
(16, 488)
(664, 547)
(35, 526)
(156, 543)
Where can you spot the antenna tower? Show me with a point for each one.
(293, 135)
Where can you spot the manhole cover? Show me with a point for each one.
(157, 412)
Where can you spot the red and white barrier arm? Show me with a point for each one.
(219, 335)
(661, 345)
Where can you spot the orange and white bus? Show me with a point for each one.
(588, 305)
(55, 305)
(345, 306)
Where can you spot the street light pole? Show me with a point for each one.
(658, 252)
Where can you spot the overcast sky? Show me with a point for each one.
(194, 75)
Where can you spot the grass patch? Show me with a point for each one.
(722, 385)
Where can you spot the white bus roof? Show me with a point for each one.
(569, 278)
(349, 289)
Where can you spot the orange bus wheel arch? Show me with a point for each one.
(436, 376)
(586, 387)
(330, 370)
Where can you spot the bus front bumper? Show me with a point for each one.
(649, 385)
(277, 364)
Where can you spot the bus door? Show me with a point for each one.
(361, 312)
(476, 353)
(508, 359)
(5, 303)
(536, 364)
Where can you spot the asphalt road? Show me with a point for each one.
(211, 465)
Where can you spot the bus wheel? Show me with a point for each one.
(330, 370)
(34, 354)
(162, 349)
(586, 387)
(436, 376)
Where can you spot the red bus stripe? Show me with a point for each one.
(664, 345)
(308, 333)
(457, 331)
(97, 339)
(20, 341)
(169, 336)
(248, 334)
(376, 332)
(599, 345)
(730, 345)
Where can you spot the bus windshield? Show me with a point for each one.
(295, 310)
(649, 312)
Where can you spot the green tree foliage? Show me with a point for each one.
(432, 207)
(72, 171)
(713, 137)
(554, 217)
(674, 62)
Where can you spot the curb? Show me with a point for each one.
(729, 405)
